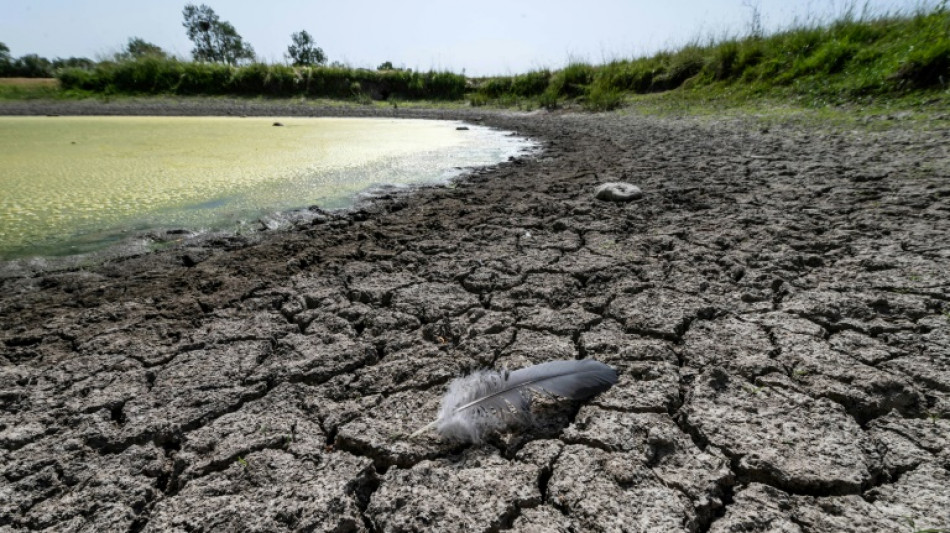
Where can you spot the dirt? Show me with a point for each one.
(777, 304)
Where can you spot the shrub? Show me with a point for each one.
(251, 79)
(548, 99)
(572, 81)
(681, 66)
(147, 75)
(204, 78)
(495, 87)
(477, 99)
(602, 98)
(78, 78)
(530, 84)
(926, 67)
(724, 61)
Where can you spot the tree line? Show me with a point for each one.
(215, 41)
(35, 66)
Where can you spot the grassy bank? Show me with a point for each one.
(854, 59)
(29, 88)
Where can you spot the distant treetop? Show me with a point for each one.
(215, 40)
(303, 52)
(138, 48)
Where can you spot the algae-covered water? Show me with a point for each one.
(75, 184)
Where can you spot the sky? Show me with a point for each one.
(481, 37)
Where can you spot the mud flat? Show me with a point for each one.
(776, 304)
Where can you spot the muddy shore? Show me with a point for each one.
(777, 305)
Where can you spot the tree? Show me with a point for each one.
(73, 62)
(139, 48)
(215, 40)
(387, 65)
(302, 51)
(6, 61)
(33, 66)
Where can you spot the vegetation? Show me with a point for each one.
(215, 40)
(34, 66)
(855, 59)
(303, 52)
(30, 89)
(851, 59)
(137, 48)
(151, 75)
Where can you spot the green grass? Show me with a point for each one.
(850, 60)
(33, 89)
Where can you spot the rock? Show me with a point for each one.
(462, 128)
(277, 124)
(618, 192)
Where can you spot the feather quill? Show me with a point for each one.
(487, 400)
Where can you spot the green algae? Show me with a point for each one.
(72, 184)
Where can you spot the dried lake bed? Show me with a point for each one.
(75, 184)
(776, 305)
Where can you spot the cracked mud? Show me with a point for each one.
(777, 305)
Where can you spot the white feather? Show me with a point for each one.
(488, 400)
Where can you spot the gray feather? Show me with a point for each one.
(488, 400)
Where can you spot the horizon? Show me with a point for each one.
(531, 35)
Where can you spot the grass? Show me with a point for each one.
(28, 88)
(851, 60)
(873, 64)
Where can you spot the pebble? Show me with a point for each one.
(618, 191)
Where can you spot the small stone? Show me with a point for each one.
(461, 128)
(278, 124)
(618, 191)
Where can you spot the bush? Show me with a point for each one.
(78, 78)
(495, 87)
(926, 67)
(723, 65)
(204, 78)
(148, 75)
(572, 81)
(548, 100)
(530, 84)
(602, 98)
(680, 67)
(251, 79)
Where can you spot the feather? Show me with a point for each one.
(487, 400)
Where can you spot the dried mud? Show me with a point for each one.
(776, 304)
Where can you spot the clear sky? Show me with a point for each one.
(484, 37)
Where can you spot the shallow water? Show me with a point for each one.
(75, 184)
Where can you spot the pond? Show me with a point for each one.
(71, 185)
